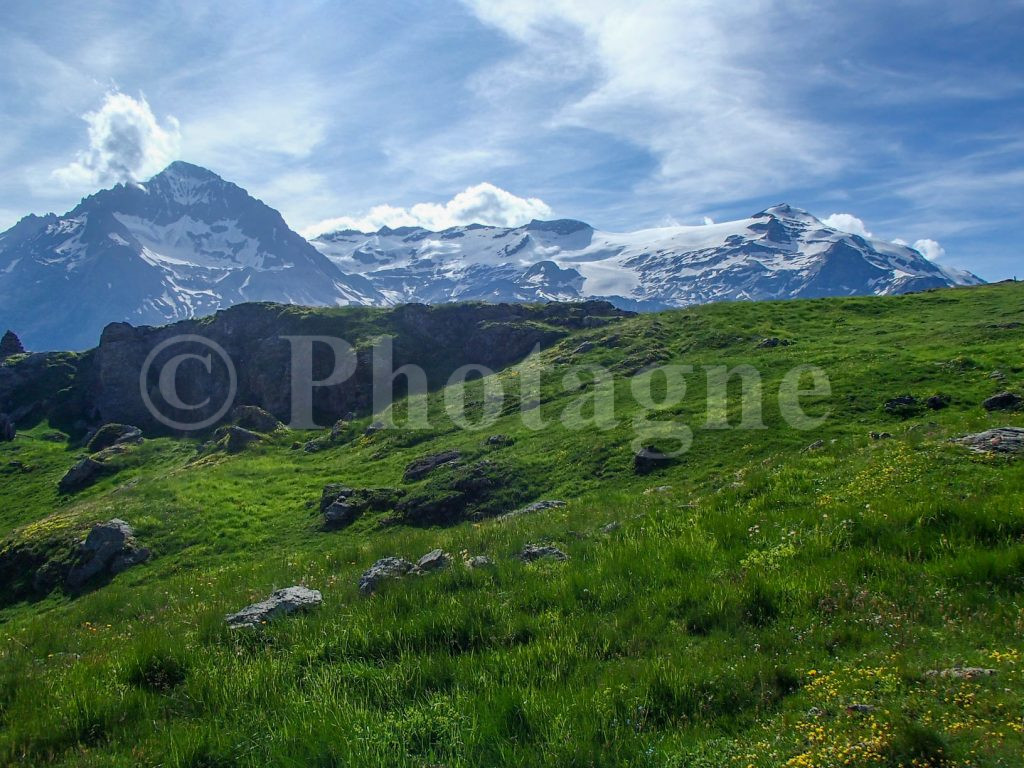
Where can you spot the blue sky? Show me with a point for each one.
(907, 116)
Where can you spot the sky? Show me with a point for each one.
(903, 119)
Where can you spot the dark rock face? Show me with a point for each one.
(1009, 440)
(83, 474)
(7, 430)
(283, 602)
(114, 434)
(425, 465)
(10, 344)
(108, 549)
(384, 569)
(533, 552)
(102, 385)
(255, 419)
(1004, 401)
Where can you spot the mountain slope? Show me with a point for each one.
(782, 252)
(183, 244)
(777, 597)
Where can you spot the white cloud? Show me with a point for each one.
(479, 204)
(930, 249)
(125, 142)
(708, 221)
(846, 222)
(693, 82)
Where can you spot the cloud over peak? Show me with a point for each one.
(126, 142)
(847, 222)
(480, 204)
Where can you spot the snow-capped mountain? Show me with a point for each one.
(782, 252)
(187, 243)
(183, 244)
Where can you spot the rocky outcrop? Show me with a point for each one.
(904, 405)
(283, 602)
(384, 569)
(341, 506)
(10, 345)
(235, 439)
(7, 429)
(1008, 440)
(424, 465)
(108, 549)
(650, 459)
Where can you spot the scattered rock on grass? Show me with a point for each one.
(611, 527)
(434, 560)
(479, 561)
(998, 440)
(537, 506)
(281, 603)
(1004, 401)
(772, 342)
(424, 465)
(902, 405)
(236, 439)
(648, 459)
(108, 549)
(84, 473)
(815, 446)
(881, 435)
(533, 552)
(384, 569)
(657, 489)
(860, 709)
(114, 434)
(498, 441)
(961, 673)
(937, 402)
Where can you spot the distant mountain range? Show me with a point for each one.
(187, 243)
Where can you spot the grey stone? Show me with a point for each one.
(586, 346)
(83, 474)
(497, 441)
(902, 404)
(815, 446)
(108, 549)
(998, 440)
(479, 561)
(382, 570)
(341, 514)
(424, 465)
(611, 527)
(772, 342)
(283, 602)
(537, 506)
(434, 560)
(237, 439)
(860, 709)
(533, 552)
(881, 435)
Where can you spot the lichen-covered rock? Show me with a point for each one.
(384, 569)
(424, 465)
(113, 434)
(109, 549)
(82, 475)
(998, 440)
(434, 560)
(254, 418)
(283, 602)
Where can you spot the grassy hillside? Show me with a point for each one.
(766, 599)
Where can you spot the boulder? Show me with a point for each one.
(341, 514)
(585, 347)
(937, 402)
(382, 570)
(434, 560)
(533, 552)
(254, 418)
(83, 474)
(341, 506)
(113, 434)
(479, 561)
(236, 439)
(648, 459)
(1004, 401)
(880, 435)
(424, 465)
(817, 445)
(283, 602)
(999, 440)
(499, 441)
(108, 549)
(611, 527)
(7, 430)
